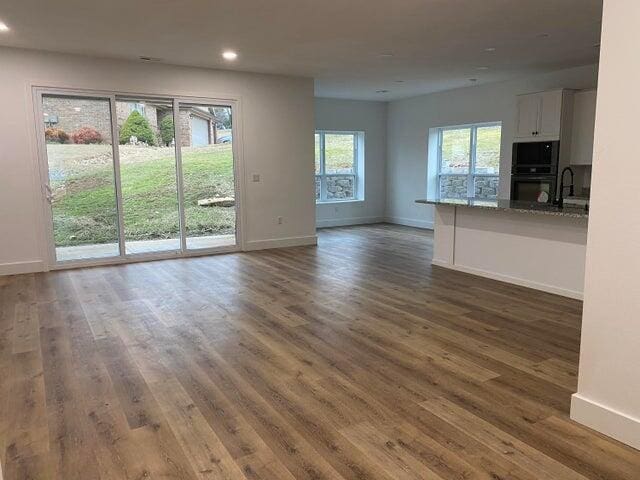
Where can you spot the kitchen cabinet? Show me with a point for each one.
(528, 114)
(584, 119)
(540, 116)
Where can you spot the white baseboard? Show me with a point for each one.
(514, 280)
(16, 268)
(281, 242)
(410, 222)
(342, 222)
(606, 420)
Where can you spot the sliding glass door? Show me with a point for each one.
(208, 176)
(126, 177)
(81, 183)
(147, 159)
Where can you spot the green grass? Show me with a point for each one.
(456, 145)
(339, 153)
(84, 201)
(84, 208)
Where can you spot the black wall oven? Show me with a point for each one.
(533, 189)
(534, 171)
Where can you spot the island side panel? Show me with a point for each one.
(444, 225)
(545, 252)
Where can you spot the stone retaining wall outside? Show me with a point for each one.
(456, 187)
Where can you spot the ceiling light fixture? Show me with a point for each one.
(490, 49)
(229, 55)
(3, 27)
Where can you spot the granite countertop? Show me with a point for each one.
(512, 206)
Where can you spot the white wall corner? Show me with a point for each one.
(609, 421)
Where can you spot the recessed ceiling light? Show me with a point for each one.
(382, 91)
(490, 49)
(3, 27)
(229, 55)
(482, 68)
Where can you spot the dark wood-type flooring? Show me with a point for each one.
(353, 360)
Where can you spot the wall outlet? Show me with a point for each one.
(256, 177)
(280, 220)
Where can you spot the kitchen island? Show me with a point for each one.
(539, 246)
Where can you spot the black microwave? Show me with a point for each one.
(533, 189)
(535, 158)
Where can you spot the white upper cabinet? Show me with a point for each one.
(550, 114)
(539, 116)
(584, 119)
(528, 114)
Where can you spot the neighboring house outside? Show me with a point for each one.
(197, 126)
(71, 114)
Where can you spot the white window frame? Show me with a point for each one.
(473, 143)
(358, 164)
(139, 107)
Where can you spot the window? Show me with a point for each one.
(138, 107)
(469, 161)
(338, 155)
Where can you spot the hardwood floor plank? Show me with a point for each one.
(502, 443)
(387, 454)
(71, 451)
(26, 328)
(201, 445)
(355, 359)
(27, 409)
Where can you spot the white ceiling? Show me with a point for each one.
(343, 44)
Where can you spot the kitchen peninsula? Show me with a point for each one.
(539, 246)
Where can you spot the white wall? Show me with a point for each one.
(409, 121)
(277, 124)
(370, 118)
(608, 397)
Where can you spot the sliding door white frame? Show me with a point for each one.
(179, 178)
(238, 169)
(236, 148)
(115, 135)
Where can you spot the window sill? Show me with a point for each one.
(333, 202)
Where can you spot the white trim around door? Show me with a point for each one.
(43, 171)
